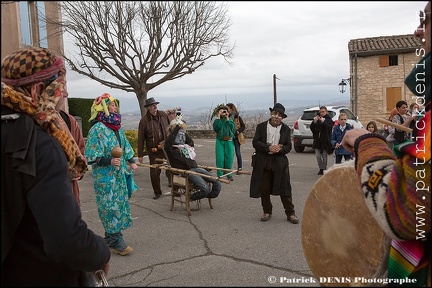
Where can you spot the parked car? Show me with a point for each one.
(302, 133)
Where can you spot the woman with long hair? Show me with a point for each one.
(238, 135)
(372, 127)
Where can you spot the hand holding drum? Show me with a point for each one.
(117, 152)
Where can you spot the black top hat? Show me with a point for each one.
(150, 101)
(279, 108)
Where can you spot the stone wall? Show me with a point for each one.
(373, 81)
(210, 134)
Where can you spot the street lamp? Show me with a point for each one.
(342, 85)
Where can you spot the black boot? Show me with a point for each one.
(321, 172)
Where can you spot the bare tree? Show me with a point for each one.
(252, 120)
(205, 122)
(137, 45)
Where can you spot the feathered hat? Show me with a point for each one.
(217, 108)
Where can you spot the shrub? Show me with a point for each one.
(80, 107)
(132, 136)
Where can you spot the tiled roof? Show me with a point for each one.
(383, 44)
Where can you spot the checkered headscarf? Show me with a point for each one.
(30, 66)
(33, 81)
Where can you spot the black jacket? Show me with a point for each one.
(44, 240)
(175, 156)
(322, 132)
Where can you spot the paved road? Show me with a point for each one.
(224, 246)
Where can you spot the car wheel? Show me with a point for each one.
(299, 149)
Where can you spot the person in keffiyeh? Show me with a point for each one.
(396, 186)
(33, 82)
(44, 240)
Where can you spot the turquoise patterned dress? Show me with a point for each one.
(109, 182)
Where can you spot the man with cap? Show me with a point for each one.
(270, 165)
(152, 130)
(44, 240)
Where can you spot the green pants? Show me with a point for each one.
(224, 155)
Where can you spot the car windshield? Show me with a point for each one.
(349, 114)
(309, 115)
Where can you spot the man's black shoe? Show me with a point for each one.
(321, 172)
(157, 196)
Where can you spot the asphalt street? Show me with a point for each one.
(224, 246)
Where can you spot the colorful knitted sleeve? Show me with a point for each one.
(396, 191)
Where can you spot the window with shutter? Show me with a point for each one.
(393, 60)
(384, 61)
(393, 94)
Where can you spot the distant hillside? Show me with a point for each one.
(194, 117)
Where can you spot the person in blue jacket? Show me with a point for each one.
(337, 136)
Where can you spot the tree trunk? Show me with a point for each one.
(142, 97)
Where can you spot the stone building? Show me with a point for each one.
(378, 67)
(23, 24)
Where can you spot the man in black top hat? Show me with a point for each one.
(270, 173)
(152, 130)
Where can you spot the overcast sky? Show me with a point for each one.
(304, 43)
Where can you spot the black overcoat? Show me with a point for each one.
(322, 132)
(281, 183)
(44, 240)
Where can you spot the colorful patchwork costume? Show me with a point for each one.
(397, 189)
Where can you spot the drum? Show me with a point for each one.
(341, 240)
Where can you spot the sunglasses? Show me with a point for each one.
(423, 17)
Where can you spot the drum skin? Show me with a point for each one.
(340, 238)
